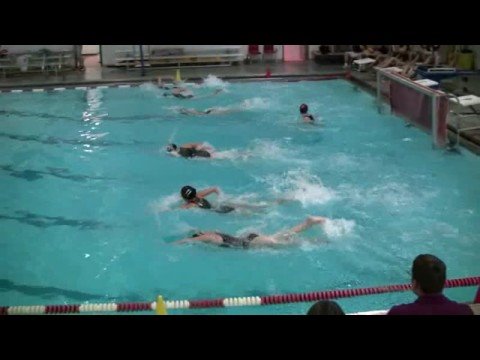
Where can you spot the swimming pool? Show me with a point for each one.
(89, 207)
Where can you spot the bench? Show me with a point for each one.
(178, 58)
(34, 62)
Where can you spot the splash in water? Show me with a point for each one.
(301, 186)
(337, 228)
(256, 103)
(214, 82)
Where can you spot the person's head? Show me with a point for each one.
(303, 109)
(428, 275)
(326, 307)
(171, 147)
(188, 193)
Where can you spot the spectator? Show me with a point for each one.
(400, 56)
(356, 53)
(428, 280)
(325, 308)
(477, 297)
(77, 53)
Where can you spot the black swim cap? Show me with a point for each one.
(171, 147)
(188, 192)
(303, 109)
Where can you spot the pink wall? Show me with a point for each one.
(294, 52)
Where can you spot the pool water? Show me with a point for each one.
(89, 205)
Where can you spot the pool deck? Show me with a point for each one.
(98, 75)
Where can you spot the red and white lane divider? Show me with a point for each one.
(225, 302)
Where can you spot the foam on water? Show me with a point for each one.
(302, 186)
(214, 82)
(337, 228)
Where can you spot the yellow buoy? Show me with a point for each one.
(178, 78)
(161, 308)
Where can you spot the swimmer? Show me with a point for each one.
(184, 93)
(194, 199)
(191, 150)
(210, 111)
(253, 239)
(197, 199)
(306, 117)
(180, 92)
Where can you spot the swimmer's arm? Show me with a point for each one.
(202, 238)
(191, 112)
(308, 118)
(209, 191)
(192, 146)
(188, 206)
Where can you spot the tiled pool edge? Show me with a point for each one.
(136, 82)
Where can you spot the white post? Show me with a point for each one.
(379, 92)
(434, 121)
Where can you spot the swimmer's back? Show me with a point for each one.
(190, 153)
(236, 242)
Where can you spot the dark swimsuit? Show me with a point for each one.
(190, 153)
(205, 204)
(232, 241)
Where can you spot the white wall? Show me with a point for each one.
(15, 49)
(108, 51)
(90, 49)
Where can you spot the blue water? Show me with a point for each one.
(89, 200)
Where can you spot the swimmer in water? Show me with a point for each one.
(197, 199)
(191, 150)
(184, 93)
(254, 240)
(210, 111)
(305, 116)
(194, 199)
(180, 92)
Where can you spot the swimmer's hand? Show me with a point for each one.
(316, 220)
